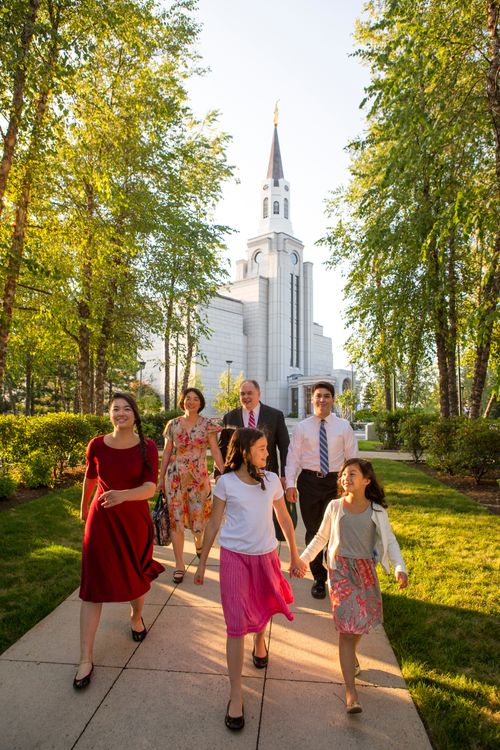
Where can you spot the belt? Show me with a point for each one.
(319, 474)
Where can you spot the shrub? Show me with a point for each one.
(12, 438)
(365, 415)
(36, 469)
(387, 426)
(440, 437)
(477, 447)
(413, 434)
(154, 424)
(8, 486)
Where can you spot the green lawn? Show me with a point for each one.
(39, 559)
(444, 628)
(370, 445)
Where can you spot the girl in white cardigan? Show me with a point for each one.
(357, 531)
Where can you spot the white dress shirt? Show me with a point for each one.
(303, 452)
(245, 413)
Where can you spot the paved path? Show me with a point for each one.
(171, 690)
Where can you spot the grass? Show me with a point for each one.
(444, 628)
(39, 559)
(370, 445)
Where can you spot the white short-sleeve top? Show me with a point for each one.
(247, 525)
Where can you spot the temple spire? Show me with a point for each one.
(275, 168)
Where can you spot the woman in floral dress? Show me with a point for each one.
(184, 473)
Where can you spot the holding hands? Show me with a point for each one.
(297, 568)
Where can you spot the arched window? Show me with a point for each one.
(276, 208)
(265, 208)
(285, 209)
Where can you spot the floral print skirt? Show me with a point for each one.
(355, 595)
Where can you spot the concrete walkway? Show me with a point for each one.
(171, 690)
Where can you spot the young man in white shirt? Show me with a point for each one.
(314, 461)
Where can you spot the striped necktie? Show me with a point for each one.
(323, 449)
(251, 419)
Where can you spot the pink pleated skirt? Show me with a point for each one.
(252, 589)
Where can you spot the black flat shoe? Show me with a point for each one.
(234, 723)
(139, 635)
(318, 590)
(84, 681)
(260, 661)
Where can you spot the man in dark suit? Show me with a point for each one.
(271, 421)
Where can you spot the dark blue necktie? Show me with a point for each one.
(323, 448)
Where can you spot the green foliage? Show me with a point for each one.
(413, 434)
(416, 232)
(224, 401)
(154, 424)
(477, 447)
(8, 486)
(441, 438)
(365, 415)
(387, 424)
(41, 446)
(36, 469)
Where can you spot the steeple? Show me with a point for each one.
(275, 168)
(275, 191)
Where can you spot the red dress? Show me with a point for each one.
(117, 557)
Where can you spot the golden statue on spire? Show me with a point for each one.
(276, 114)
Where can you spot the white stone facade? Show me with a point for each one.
(262, 323)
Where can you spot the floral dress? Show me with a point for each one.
(188, 490)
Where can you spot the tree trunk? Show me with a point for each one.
(12, 276)
(169, 316)
(452, 332)
(490, 294)
(101, 363)
(84, 374)
(18, 89)
(491, 289)
(29, 384)
(18, 239)
(190, 342)
(489, 405)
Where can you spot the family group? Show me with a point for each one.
(260, 475)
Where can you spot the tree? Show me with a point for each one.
(228, 395)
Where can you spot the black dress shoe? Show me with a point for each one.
(318, 590)
(234, 723)
(84, 681)
(260, 661)
(139, 635)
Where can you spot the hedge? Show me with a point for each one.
(37, 450)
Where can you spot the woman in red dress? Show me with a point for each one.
(117, 557)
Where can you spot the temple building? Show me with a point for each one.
(262, 323)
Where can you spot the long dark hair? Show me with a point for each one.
(137, 422)
(374, 492)
(238, 453)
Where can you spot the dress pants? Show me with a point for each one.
(314, 495)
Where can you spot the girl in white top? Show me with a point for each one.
(357, 531)
(252, 586)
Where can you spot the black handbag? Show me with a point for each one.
(161, 521)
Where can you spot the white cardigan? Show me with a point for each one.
(386, 545)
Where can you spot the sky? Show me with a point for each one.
(298, 52)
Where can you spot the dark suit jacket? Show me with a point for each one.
(272, 424)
